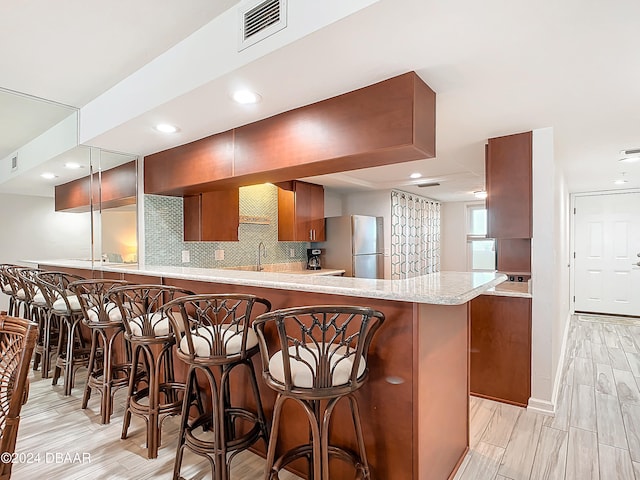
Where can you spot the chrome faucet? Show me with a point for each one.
(263, 249)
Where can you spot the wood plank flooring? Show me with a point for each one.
(58, 440)
(595, 433)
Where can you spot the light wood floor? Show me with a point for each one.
(594, 435)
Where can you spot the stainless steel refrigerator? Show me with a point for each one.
(354, 243)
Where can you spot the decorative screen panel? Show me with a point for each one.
(415, 235)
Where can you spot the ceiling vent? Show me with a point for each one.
(14, 163)
(633, 151)
(259, 19)
(432, 184)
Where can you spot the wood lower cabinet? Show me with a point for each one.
(300, 212)
(509, 186)
(212, 216)
(501, 348)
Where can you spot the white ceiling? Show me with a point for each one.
(497, 67)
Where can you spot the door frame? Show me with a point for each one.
(572, 271)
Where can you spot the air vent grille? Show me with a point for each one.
(431, 184)
(261, 19)
(14, 163)
(634, 151)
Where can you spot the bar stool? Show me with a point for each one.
(62, 306)
(17, 303)
(6, 286)
(215, 337)
(317, 357)
(103, 318)
(35, 310)
(151, 336)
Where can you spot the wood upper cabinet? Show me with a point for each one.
(182, 169)
(116, 187)
(388, 122)
(300, 212)
(501, 348)
(514, 255)
(509, 186)
(212, 216)
(392, 121)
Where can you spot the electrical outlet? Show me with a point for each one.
(292, 252)
(186, 257)
(219, 254)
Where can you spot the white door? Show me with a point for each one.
(607, 254)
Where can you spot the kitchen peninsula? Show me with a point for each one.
(415, 405)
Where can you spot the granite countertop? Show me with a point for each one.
(511, 289)
(443, 288)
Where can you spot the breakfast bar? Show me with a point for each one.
(414, 407)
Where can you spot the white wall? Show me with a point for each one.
(32, 230)
(453, 236)
(333, 204)
(549, 272)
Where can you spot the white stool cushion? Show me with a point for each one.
(6, 288)
(204, 338)
(112, 310)
(38, 297)
(159, 322)
(303, 371)
(21, 294)
(60, 305)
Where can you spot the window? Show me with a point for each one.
(481, 252)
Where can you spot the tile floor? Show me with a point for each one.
(594, 435)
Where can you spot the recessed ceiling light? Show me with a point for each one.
(415, 175)
(480, 194)
(72, 165)
(621, 181)
(245, 97)
(166, 128)
(48, 175)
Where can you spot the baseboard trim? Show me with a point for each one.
(563, 355)
(541, 406)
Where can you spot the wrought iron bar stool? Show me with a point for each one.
(152, 339)
(106, 373)
(214, 337)
(316, 356)
(62, 306)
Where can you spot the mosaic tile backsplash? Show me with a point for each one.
(164, 237)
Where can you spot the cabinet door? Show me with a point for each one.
(300, 212)
(221, 215)
(212, 216)
(286, 212)
(501, 348)
(317, 213)
(509, 186)
(304, 211)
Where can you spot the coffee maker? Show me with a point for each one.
(313, 259)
